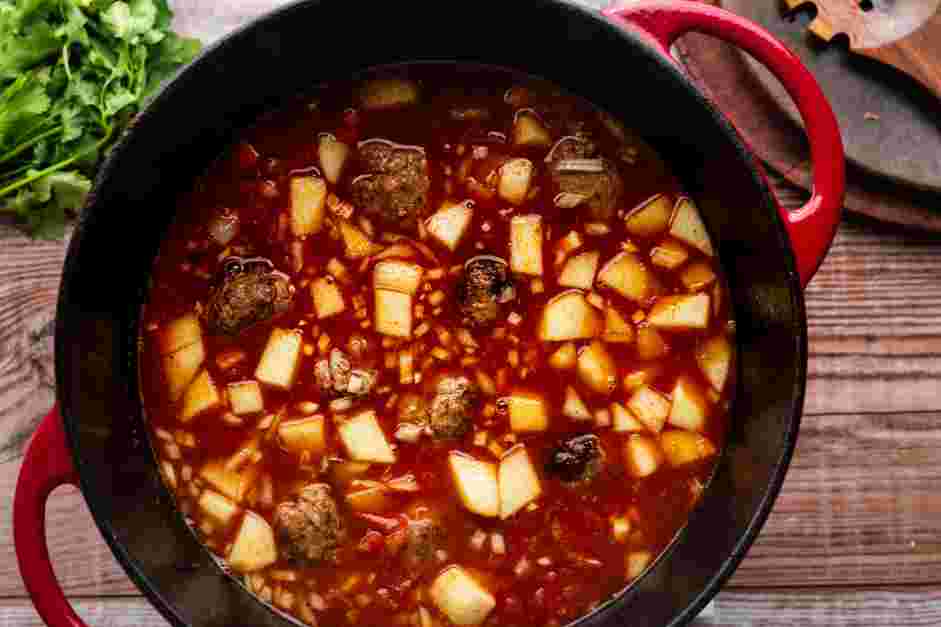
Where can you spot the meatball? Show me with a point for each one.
(449, 413)
(577, 460)
(250, 291)
(422, 539)
(395, 188)
(575, 169)
(484, 290)
(336, 375)
(310, 529)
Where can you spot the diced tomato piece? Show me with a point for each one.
(246, 156)
(372, 542)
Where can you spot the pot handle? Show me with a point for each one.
(812, 227)
(46, 465)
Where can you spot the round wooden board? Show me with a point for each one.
(722, 73)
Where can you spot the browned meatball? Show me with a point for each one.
(309, 529)
(577, 460)
(450, 411)
(250, 291)
(484, 290)
(423, 538)
(394, 189)
(575, 169)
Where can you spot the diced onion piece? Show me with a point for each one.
(627, 275)
(697, 276)
(515, 178)
(343, 472)
(327, 297)
(651, 217)
(364, 439)
(398, 276)
(460, 597)
(280, 359)
(579, 271)
(355, 242)
(669, 255)
(304, 435)
(586, 166)
(617, 330)
(650, 407)
(567, 245)
(235, 484)
(371, 498)
(254, 547)
(574, 407)
(388, 93)
(528, 412)
(679, 313)
(650, 343)
(518, 481)
(644, 376)
(643, 455)
(529, 131)
(201, 396)
(179, 333)
(219, 508)
(636, 563)
(245, 397)
(308, 205)
(393, 313)
(596, 368)
(569, 200)
(620, 528)
(223, 228)
(623, 421)
(333, 155)
(687, 226)
(690, 407)
(564, 357)
(181, 366)
(449, 223)
(407, 365)
(476, 483)
(526, 244)
(403, 483)
(714, 357)
(569, 316)
(685, 447)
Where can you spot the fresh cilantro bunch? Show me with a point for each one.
(72, 74)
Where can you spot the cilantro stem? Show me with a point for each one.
(30, 143)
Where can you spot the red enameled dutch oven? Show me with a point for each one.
(619, 60)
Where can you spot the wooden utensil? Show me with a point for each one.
(905, 34)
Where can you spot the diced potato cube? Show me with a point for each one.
(644, 376)
(304, 434)
(388, 93)
(528, 412)
(372, 499)
(279, 361)
(685, 447)
(476, 483)
(529, 131)
(179, 333)
(689, 408)
(327, 296)
(245, 397)
(220, 509)
(407, 365)
(650, 343)
(651, 217)
(308, 205)
(518, 481)
(596, 368)
(338, 271)
(201, 396)
(636, 563)
(643, 455)
(579, 271)
(650, 407)
(623, 421)
(569, 316)
(355, 242)
(181, 366)
(364, 439)
(398, 276)
(393, 313)
(333, 155)
(234, 484)
(669, 255)
(254, 546)
(564, 357)
(627, 275)
(714, 357)
(515, 178)
(574, 407)
(687, 226)
(697, 276)
(449, 223)
(617, 329)
(526, 244)
(679, 313)
(459, 597)
(342, 471)
(566, 246)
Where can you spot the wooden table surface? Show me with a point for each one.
(854, 538)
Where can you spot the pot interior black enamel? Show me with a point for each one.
(106, 274)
